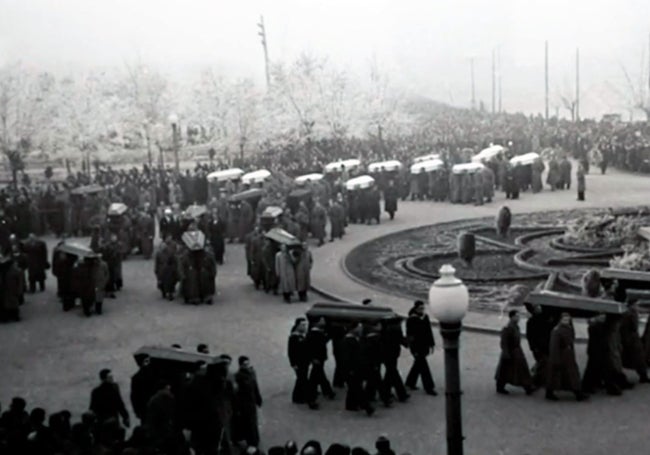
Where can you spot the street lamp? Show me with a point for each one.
(448, 301)
(173, 120)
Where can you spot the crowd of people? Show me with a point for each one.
(207, 411)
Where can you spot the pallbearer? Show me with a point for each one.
(198, 270)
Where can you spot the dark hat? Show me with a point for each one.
(418, 303)
(512, 313)
(366, 301)
(243, 359)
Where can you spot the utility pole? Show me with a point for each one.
(493, 82)
(471, 67)
(577, 84)
(262, 34)
(499, 73)
(546, 80)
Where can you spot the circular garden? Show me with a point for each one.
(567, 242)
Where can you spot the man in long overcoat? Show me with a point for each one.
(538, 334)
(563, 372)
(303, 272)
(11, 288)
(189, 271)
(207, 276)
(268, 260)
(582, 183)
(488, 183)
(374, 205)
(390, 199)
(553, 178)
(36, 253)
(336, 216)
(302, 218)
(538, 169)
(254, 247)
(633, 354)
(477, 182)
(316, 340)
(565, 173)
(512, 368)
(216, 234)
(146, 230)
(166, 268)
(246, 220)
(286, 273)
(299, 361)
(351, 365)
(62, 264)
(247, 400)
(318, 222)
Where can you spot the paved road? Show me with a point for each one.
(52, 358)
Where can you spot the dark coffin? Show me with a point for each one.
(348, 313)
(576, 305)
(627, 278)
(173, 364)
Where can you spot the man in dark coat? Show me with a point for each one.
(113, 258)
(565, 174)
(166, 268)
(316, 340)
(146, 230)
(599, 371)
(371, 356)
(11, 288)
(538, 334)
(299, 361)
(254, 245)
(247, 400)
(84, 274)
(62, 264)
(421, 343)
(337, 220)
(374, 205)
(563, 372)
(202, 416)
(160, 420)
(355, 398)
(143, 387)
(106, 400)
(318, 222)
(36, 254)
(216, 234)
(512, 368)
(633, 354)
(392, 340)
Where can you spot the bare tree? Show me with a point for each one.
(637, 94)
(23, 116)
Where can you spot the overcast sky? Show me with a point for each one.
(425, 44)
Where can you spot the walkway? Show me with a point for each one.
(616, 189)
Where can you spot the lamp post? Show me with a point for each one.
(448, 301)
(147, 133)
(173, 120)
